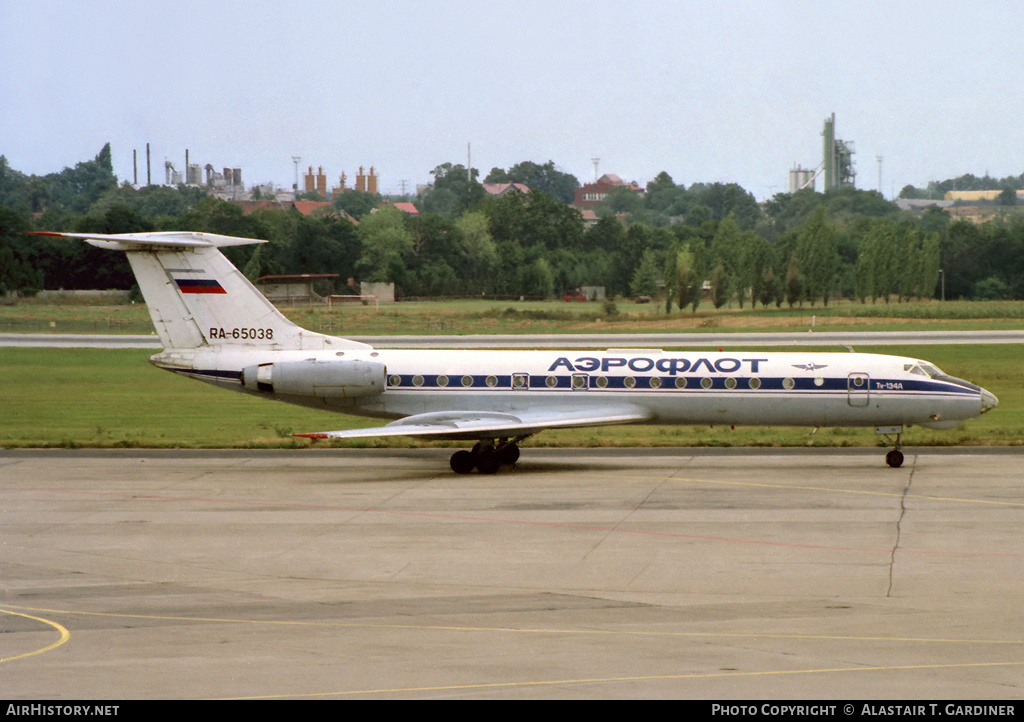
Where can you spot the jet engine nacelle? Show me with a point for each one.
(323, 379)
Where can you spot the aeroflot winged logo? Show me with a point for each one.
(810, 366)
(199, 285)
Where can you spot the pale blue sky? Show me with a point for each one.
(707, 91)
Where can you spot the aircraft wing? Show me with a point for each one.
(494, 424)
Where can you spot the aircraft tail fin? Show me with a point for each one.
(197, 297)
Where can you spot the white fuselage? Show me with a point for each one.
(691, 387)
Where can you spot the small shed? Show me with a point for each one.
(296, 290)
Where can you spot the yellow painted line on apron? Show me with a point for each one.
(65, 635)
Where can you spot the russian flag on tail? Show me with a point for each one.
(199, 285)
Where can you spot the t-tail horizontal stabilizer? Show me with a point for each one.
(197, 298)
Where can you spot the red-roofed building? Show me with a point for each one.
(592, 194)
(500, 189)
(311, 208)
(404, 207)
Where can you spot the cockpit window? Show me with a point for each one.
(923, 369)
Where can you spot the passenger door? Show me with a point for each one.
(858, 389)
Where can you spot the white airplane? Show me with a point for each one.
(216, 327)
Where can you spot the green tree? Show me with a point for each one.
(455, 190)
(757, 260)
(719, 286)
(876, 267)
(683, 278)
(79, 187)
(621, 199)
(605, 235)
(18, 268)
(537, 279)
(319, 244)
(386, 243)
(478, 250)
(664, 197)
(786, 212)
(928, 270)
(727, 251)
(356, 203)
(992, 288)
(794, 285)
(645, 278)
(534, 218)
(817, 257)
(544, 178)
(725, 199)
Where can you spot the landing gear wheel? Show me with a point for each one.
(488, 461)
(508, 454)
(894, 458)
(462, 462)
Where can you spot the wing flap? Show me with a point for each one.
(493, 424)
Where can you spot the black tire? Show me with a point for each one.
(462, 462)
(488, 461)
(894, 458)
(509, 454)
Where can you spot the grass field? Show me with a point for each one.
(115, 398)
(482, 316)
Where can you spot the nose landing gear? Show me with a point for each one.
(895, 457)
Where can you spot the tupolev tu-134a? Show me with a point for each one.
(215, 326)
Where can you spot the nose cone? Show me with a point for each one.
(988, 401)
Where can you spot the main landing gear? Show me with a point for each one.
(487, 456)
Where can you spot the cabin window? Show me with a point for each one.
(655, 382)
(730, 382)
(442, 381)
(601, 382)
(551, 381)
(629, 382)
(579, 381)
(492, 381)
(818, 381)
(681, 382)
(395, 380)
(417, 380)
(520, 381)
(467, 381)
(754, 383)
(706, 382)
(788, 384)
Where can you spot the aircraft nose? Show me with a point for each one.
(988, 401)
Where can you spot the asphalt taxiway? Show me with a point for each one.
(633, 573)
